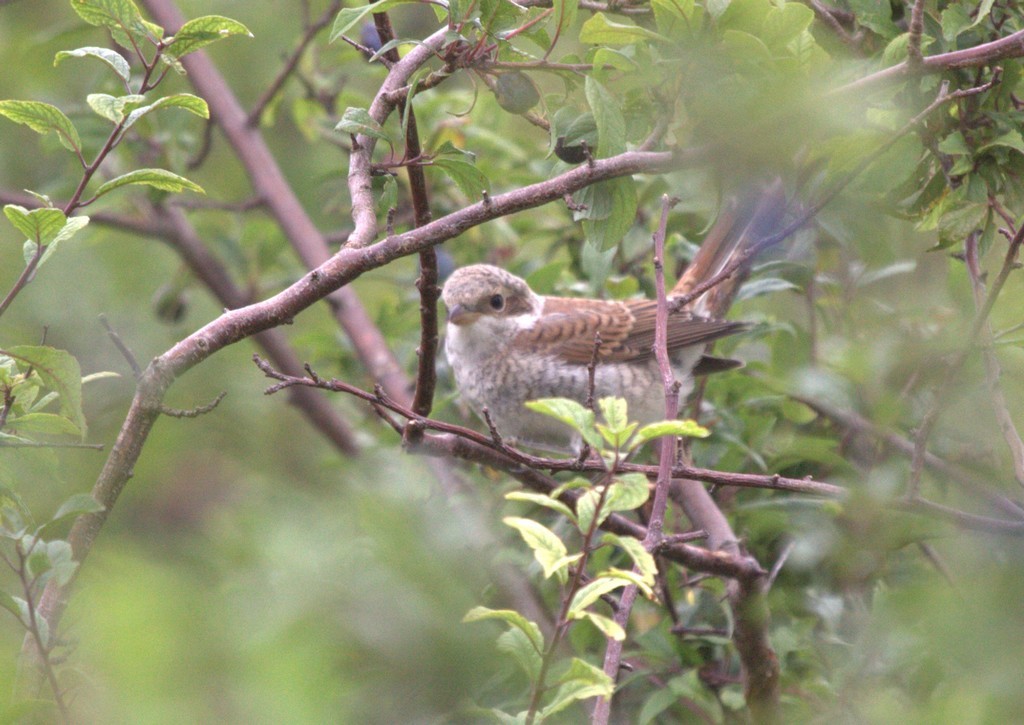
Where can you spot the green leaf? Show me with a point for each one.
(571, 413)
(784, 24)
(60, 372)
(608, 627)
(630, 577)
(593, 591)
(16, 606)
(542, 499)
(40, 226)
(200, 32)
(627, 492)
(389, 195)
(517, 620)
(122, 17)
(548, 549)
(617, 429)
(1011, 139)
(611, 211)
(586, 510)
(565, 14)
(157, 178)
(46, 423)
(875, 15)
(185, 101)
(611, 124)
(80, 503)
(52, 560)
(515, 92)
(471, 181)
(642, 559)
(672, 16)
(599, 30)
(359, 121)
(688, 428)
(112, 107)
(71, 227)
(516, 643)
(764, 286)
(112, 58)
(43, 118)
(615, 413)
(349, 17)
(581, 682)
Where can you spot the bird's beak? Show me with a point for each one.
(459, 314)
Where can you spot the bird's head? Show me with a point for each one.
(482, 291)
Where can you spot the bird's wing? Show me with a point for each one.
(567, 328)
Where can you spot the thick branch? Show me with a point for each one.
(1012, 46)
(283, 205)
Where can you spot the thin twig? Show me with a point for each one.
(955, 367)
(125, 351)
(292, 62)
(992, 370)
(613, 647)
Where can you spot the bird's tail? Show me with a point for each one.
(740, 226)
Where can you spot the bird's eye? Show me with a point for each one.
(497, 302)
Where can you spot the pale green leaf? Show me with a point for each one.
(582, 681)
(112, 58)
(185, 101)
(43, 118)
(122, 17)
(357, 121)
(515, 642)
(548, 549)
(593, 591)
(15, 605)
(544, 500)
(157, 178)
(608, 627)
(629, 491)
(530, 629)
(599, 30)
(200, 32)
(612, 207)
(60, 372)
(571, 413)
(46, 423)
(471, 181)
(350, 17)
(688, 428)
(40, 226)
(611, 124)
(642, 559)
(615, 413)
(629, 577)
(586, 510)
(71, 227)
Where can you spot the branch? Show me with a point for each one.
(1012, 46)
(426, 375)
(283, 205)
(292, 62)
(992, 370)
(955, 367)
(667, 452)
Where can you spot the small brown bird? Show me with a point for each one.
(508, 345)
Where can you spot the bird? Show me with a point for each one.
(507, 345)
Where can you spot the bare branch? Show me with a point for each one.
(992, 370)
(292, 62)
(1012, 46)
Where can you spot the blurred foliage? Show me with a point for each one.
(248, 573)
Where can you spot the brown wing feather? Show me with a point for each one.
(567, 327)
